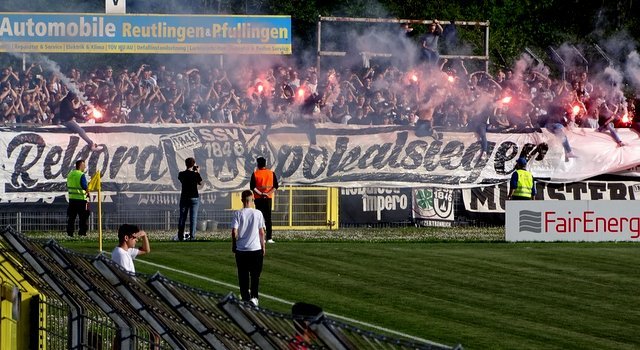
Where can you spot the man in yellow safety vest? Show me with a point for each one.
(522, 185)
(77, 188)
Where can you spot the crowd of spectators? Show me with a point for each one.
(443, 96)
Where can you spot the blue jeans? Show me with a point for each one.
(188, 206)
(612, 130)
(558, 130)
(74, 127)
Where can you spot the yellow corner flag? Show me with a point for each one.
(94, 184)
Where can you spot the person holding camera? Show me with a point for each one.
(189, 199)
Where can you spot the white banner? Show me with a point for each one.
(147, 158)
(572, 221)
(492, 199)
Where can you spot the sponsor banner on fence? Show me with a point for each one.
(572, 221)
(433, 204)
(372, 205)
(148, 33)
(492, 199)
(147, 158)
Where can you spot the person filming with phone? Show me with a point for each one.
(189, 199)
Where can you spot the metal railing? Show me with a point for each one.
(89, 302)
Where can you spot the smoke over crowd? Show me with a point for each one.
(383, 78)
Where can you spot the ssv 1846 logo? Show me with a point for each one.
(433, 203)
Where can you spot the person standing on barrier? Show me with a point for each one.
(264, 184)
(189, 198)
(522, 185)
(248, 245)
(69, 112)
(126, 251)
(78, 205)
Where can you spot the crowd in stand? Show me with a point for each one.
(445, 96)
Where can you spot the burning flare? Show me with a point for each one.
(575, 110)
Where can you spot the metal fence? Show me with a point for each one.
(294, 208)
(89, 302)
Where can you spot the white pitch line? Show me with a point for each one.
(286, 302)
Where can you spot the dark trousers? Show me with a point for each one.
(249, 268)
(264, 205)
(188, 206)
(77, 208)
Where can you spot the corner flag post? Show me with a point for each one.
(95, 184)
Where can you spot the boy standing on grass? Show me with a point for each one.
(248, 244)
(126, 251)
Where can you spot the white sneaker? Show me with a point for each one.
(254, 301)
(95, 147)
(271, 241)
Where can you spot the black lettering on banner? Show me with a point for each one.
(506, 151)
(311, 163)
(225, 155)
(617, 191)
(596, 190)
(349, 163)
(483, 195)
(556, 191)
(430, 163)
(415, 149)
(120, 157)
(289, 157)
(92, 163)
(53, 158)
(576, 189)
(342, 144)
(56, 154)
(151, 170)
(115, 2)
(503, 195)
(401, 140)
(537, 152)
(451, 151)
(25, 142)
(467, 161)
(380, 153)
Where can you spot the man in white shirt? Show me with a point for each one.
(126, 250)
(247, 236)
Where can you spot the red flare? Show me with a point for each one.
(575, 110)
(300, 92)
(506, 99)
(97, 114)
(260, 88)
(414, 78)
(625, 118)
(451, 79)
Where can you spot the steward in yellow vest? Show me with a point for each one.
(77, 189)
(522, 185)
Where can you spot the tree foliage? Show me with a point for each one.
(514, 24)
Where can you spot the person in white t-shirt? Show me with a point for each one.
(248, 244)
(126, 250)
